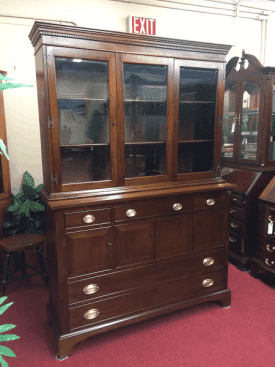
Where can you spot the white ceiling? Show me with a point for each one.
(242, 8)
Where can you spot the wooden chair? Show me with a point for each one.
(19, 244)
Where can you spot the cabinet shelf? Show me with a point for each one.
(195, 141)
(197, 102)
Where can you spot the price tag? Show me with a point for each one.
(270, 228)
(233, 127)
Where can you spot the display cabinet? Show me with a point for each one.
(5, 199)
(137, 211)
(247, 149)
(264, 256)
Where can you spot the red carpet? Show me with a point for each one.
(201, 336)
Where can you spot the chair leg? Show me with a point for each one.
(6, 274)
(23, 263)
(42, 266)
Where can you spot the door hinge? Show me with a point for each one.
(54, 179)
(51, 123)
(45, 62)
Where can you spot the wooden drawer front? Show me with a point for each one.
(236, 244)
(171, 204)
(145, 299)
(121, 281)
(236, 227)
(266, 251)
(237, 213)
(211, 200)
(237, 200)
(87, 218)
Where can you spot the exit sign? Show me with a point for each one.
(141, 25)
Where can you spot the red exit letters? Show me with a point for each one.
(142, 25)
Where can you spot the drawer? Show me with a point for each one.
(237, 213)
(117, 282)
(150, 208)
(236, 244)
(145, 299)
(210, 200)
(236, 227)
(266, 249)
(237, 200)
(87, 217)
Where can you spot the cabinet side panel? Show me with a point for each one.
(42, 93)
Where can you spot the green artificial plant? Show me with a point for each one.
(5, 351)
(26, 214)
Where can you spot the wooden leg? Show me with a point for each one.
(254, 269)
(23, 263)
(42, 266)
(6, 274)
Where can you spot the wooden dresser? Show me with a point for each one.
(248, 154)
(264, 257)
(137, 211)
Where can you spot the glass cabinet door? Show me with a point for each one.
(145, 110)
(272, 132)
(196, 119)
(229, 122)
(83, 113)
(249, 124)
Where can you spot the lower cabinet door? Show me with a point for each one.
(210, 228)
(134, 243)
(173, 236)
(89, 251)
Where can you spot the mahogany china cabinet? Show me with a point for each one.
(138, 215)
(5, 189)
(264, 257)
(248, 150)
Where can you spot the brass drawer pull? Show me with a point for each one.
(91, 314)
(234, 225)
(131, 213)
(269, 264)
(89, 218)
(208, 283)
(210, 202)
(232, 211)
(177, 206)
(208, 261)
(231, 239)
(90, 289)
(269, 248)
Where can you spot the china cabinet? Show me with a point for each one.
(137, 211)
(248, 160)
(264, 256)
(4, 166)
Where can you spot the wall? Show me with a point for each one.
(17, 58)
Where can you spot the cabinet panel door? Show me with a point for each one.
(89, 251)
(134, 243)
(83, 108)
(196, 113)
(173, 236)
(144, 96)
(210, 227)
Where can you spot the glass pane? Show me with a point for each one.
(83, 104)
(250, 121)
(145, 90)
(272, 133)
(196, 119)
(229, 122)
